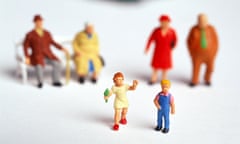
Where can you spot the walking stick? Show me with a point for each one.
(68, 72)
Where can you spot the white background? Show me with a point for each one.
(78, 114)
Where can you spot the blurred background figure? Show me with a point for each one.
(165, 40)
(202, 44)
(86, 54)
(39, 41)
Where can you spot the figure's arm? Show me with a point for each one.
(150, 40)
(58, 46)
(174, 40)
(97, 44)
(173, 108)
(76, 46)
(26, 45)
(190, 41)
(134, 85)
(215, 37)
(94, 44)
(156, 102)
(189, 38)
(172, 104)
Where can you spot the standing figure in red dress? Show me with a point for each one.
(165, 40)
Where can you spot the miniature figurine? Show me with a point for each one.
(202, 44)
(165, 40)
(39, 41)
(164, 101)
(121, 102)
(86, 54)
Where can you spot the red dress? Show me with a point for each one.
(162, 57)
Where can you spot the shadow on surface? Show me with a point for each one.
(120, 1)
(123, 2)
(146, 75)
(95, 119)
(106, 120)
(10, 73)
(180, 78)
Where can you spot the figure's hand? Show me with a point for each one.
(77, 54)
(27, 60)
(146, 51)
(135, 83)
(172, 111)
(158, 107)
(106, 98)
(65, 51)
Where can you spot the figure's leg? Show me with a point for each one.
(93, 67)
(81, 65)
(94, 77)
(39, 74)
(56, 72)
(154, 76)
(166, 121)
(196, 62)
(159, 120)
(123, 116)
(116, 119)
(164, 74)
(97, 64)
(208, 73)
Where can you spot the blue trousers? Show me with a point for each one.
(163, 114)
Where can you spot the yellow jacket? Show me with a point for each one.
(84, 45)
(85, 50)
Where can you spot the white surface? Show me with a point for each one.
(78, 114)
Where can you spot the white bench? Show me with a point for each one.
(22, 67)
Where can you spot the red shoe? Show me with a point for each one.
(116, 127)
(123, 121)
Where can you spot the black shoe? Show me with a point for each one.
(158, 128)
(192, 84)
(208, 83)
(94, 80)
(40, 85)
(151, 83)
(57, 84)
(165, 130)
(81, 80)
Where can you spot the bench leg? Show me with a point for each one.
(23, 69)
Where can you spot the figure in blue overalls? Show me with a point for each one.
(164, 101)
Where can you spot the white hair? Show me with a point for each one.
(88, 24)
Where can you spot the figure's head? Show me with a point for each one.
(165, 84)
(164, 21)
(38, 21)
(118, 79)
(202, 20)
(89, 28)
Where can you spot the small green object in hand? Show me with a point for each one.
(106, 93)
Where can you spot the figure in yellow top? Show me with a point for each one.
(86, 54)
(121, 102)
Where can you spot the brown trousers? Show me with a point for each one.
(197, 63)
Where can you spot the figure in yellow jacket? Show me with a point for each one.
(86, 54)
